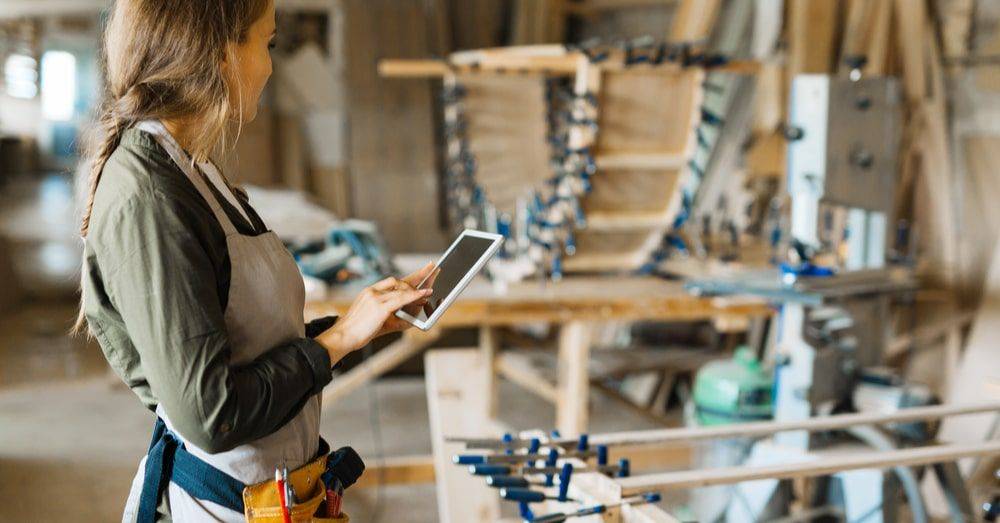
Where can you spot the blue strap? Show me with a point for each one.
(167, 460)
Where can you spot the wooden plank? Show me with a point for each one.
(813, 28)
(505, 114)
(396, 68)
(693, 20)
(573, 379)
(519, 372)
(573, 298)
(489, 345)
(911, 18)
(645, 160)
(928, 333)
(390, 357)
(808, 469)
(402, 470)
(598, 489)
(457, 407)
(878, 43)
(609, 221)
(979, 370)
(824, 423)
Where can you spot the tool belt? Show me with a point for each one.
(262, 504)
(167, 460)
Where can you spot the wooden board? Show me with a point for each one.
(978, 375)
(645, 139)
(573, 298)
(507, 129)
(648, 110)
(457, 408)
(646, 118)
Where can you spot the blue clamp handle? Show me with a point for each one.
(652, 497)
(486, 469)
(522, 494)
(564, 477)
(584, 443)
(507, 481)
(551, 462)
(469, 459)
(624, 468)
(534, 446)
(602, 455)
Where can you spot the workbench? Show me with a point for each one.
(575, 305)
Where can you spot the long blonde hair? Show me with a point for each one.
(163, 60)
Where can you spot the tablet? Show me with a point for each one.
(459, 264)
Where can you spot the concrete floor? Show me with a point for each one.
(71, 435)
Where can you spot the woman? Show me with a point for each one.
(196, 305)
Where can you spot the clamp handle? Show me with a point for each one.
(469, 459)
(551, 462)
(486, 469)
(602, 455)
(522, 495)
(624, 468)
(507, 482)
(564, 477)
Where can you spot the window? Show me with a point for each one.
(21, 76)
(58, 85)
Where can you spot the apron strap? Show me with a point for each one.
(177, 154)
(167, 461)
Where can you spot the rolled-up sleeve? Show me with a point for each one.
(163, 284)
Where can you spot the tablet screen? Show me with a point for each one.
(453, 268)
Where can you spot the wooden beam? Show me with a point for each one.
(929, 333)
(413, 68)
(641, 161)
(911, 18)
(457, 406)
(693, 20)
(513, 368)
(761, 429)
(809, 469)
(390, 357)
(489, 346)
(574, 378)
(813, 26)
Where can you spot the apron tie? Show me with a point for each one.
(167, 460)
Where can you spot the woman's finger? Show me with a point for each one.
(418, 276)
(397, 299)
(433, 276)
(387, 284)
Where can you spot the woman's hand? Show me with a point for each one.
(394, 324)
(373, 314)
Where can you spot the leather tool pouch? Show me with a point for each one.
(262, 503)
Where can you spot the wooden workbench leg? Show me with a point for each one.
(574, 382)
(489, 348)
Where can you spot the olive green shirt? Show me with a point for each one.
(156, 284)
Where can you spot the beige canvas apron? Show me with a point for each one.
(265, 309)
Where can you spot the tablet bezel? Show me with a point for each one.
(462, 284)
